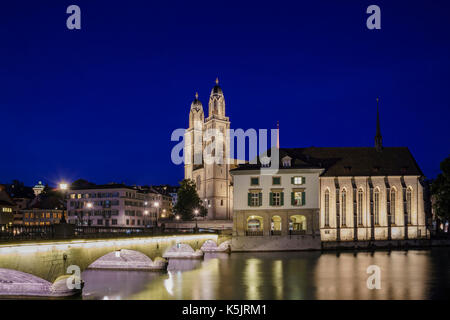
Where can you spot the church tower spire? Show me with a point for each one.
(378, 137)
(278, 134)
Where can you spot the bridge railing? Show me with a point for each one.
(53, 232)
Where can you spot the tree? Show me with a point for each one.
(440, 190)
(188, 200)
(17, 189)
(51, 199)
(82, 183)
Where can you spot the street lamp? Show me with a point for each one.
(156, 205)
(89, 205)
(63, 187)
(196, 214)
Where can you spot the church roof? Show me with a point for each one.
(350, 161)
(196, 104)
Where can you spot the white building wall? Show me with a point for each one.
(416, 227)
(242, 186)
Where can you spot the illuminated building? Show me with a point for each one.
(356, 194)
(116, 205)
(7, 208)
(213, 180)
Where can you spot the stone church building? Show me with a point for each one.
(319, 194)
(213, 180)
(331, 194)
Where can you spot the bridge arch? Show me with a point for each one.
(183, 251)
(18, 283)
(125, 259)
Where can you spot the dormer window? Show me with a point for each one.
(265, 165)
(286, 161)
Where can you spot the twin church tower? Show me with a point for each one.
(213, 180)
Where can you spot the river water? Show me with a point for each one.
(413, 274)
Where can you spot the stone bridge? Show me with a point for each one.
(49, 260)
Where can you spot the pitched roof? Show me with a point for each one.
(104, 186)
(6, 203)
(350, 161)
(5, 198)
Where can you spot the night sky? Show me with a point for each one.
(101, 103)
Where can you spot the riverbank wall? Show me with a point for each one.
(309, 242)
(385, 244)
(275, 243)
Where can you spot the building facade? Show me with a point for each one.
(41, 217)
(21, 204)
(213, 180)
(7, 208)
(169, 197)
(353, 194)
(372, 195)
(276, 212)
(116, 205)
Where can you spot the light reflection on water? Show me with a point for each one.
(283, 275)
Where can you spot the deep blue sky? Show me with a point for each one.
(100, 103)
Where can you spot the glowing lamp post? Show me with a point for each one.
(156, 205)
(196, 214)
(89, 205)
(63, 187)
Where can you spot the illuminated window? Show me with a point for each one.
(298, 180)
(393, 201)
(298, 198)
(297, 223)
(327, 208)
(344, 207)
(276, 224)
(408, 203)
(376, 207)
(254, 224)
(360, 206)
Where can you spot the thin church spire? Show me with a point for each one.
(278, 134)
(378, 137)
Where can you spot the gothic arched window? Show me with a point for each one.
(327, 208)
(408, 203)
(393, 203)
(359, 208)
(344, 207)
(376, 207)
